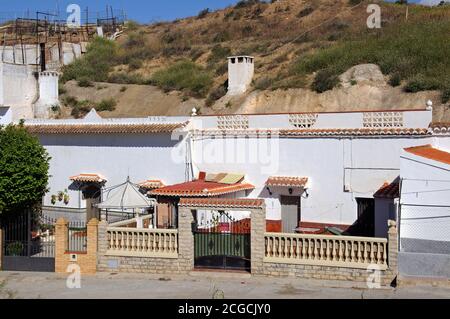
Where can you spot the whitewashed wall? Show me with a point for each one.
(425, 198)
(115, 157)
(364, 164)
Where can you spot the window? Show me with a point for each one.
(233, 122)
(303, 120)
(382, 119)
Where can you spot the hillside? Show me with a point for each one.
(301, 49)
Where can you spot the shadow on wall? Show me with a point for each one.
(113, 140)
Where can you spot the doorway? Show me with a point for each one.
(290, 213)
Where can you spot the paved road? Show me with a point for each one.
(195, 286)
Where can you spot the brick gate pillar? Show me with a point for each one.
(61, 245)
(186, 238)
(258, 228)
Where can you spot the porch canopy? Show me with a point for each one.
(125, 196)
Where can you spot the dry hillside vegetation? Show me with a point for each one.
(302, 49)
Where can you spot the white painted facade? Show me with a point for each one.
(240, 74)
(425, 198)
(341, 167)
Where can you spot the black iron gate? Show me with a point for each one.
(222, 242)
(28, 242)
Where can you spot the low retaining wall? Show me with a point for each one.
(424, 265)
(1, 249)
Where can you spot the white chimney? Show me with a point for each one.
(240, 74)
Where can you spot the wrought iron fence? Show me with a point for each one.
(425, 229)
(77, 236)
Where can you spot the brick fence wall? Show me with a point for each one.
(87, 261)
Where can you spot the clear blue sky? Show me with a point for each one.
(142, 11)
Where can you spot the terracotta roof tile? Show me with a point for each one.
(440, 128)
(88, 178)
(315, 132)
(285, 181)
(201, 188)
(152, 184)
(222, 202)
(429, 152)
(102, 128)
(388, 190)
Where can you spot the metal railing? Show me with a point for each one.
(77, 236)
(336, 251)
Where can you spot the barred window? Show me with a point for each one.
(233, 122)
(383, 119)
(303, 120)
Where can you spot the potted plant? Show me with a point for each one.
(60, 196)
(66, 199)
(53, 200)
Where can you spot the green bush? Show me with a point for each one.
(24, 166)
(125, 78)
(184, 76)
(135, 64)
(219, 53)
(263, 83)
(84, 82)
(202, 14)
(106, 105)
(395, 80)
(417, 52)
(446, 95)
(95, 64)
(325, 80)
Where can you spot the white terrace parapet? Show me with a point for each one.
(342, 120)
(322, 250)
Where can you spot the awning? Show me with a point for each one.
(88, 178)
(287, 181)
(125, 196)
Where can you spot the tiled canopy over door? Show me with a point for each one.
(290, 213)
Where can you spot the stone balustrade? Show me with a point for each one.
(129, 242)
(323, 250)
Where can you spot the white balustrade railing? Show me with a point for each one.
(130, 242)
(322, 250)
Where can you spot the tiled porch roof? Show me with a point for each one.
(88, 178)
(440, 128)
(429, 152)
(152, 184)
(222, 203)
(287, 181)
(388, 190)
(201, 188)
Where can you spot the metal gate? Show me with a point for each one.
(222, 242)
(28, 242)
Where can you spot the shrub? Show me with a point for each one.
(446, 95)
(202, 14)
(395, 80)
(95, 64)
(61, 90)
(215, 95)
(325, 80)
(84, 82)
(132, 25)
(421, 83)
(123, 89)
(305, 12)
(263, 83)
(106, 105)
(184, 76)
(135, 64)
(219, 53)
(70, 101)
(125, 78)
